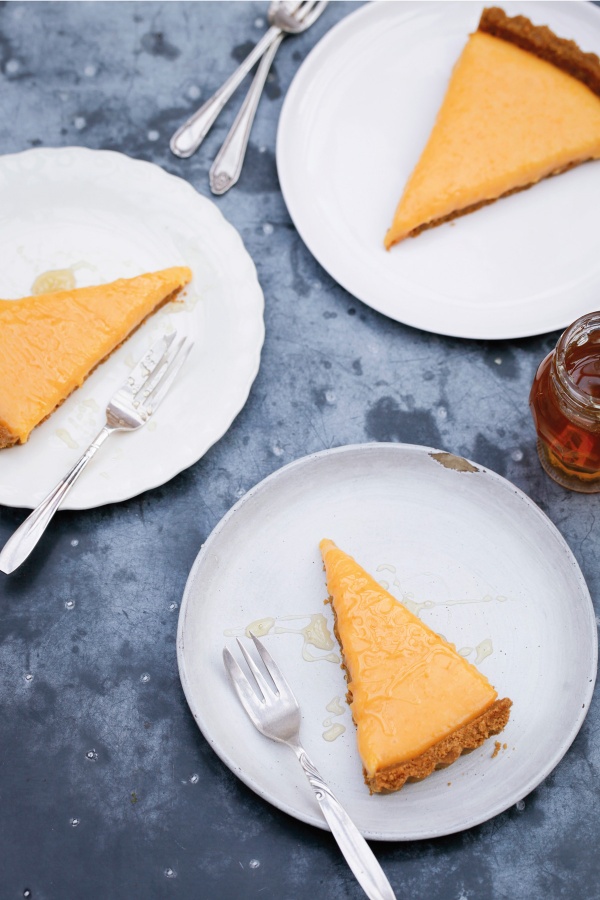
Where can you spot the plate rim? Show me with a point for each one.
(264, 485)
(291, 100)
(254, 349)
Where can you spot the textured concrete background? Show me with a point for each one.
(107, 788)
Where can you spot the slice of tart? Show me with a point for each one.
(417, 705)
(49, 343)
(522, 104)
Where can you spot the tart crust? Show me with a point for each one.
(441, 754)
(542, 42)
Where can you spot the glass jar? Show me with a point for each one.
(565, 404)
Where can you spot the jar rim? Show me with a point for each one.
(572, 335)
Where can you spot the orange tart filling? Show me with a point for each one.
(417, 704)
(49, 343)
(522, 104)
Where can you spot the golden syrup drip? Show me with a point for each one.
(260, 627)
(484, 649)
(333, 729)
(54, 280)
(316, 634)
(335, 706)
(334, 732)
(64, 435)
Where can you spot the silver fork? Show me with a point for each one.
(227, 166)
(190, 135)
(276, 714)
(128, 409)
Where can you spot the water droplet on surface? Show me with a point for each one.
(145, 678)
(254, 863)
(153, 135)
(170, 873)
(442, 412)
(29, 677)
(498, 361)
(74, 822)
(92, 754)
(194, 92)
(172, 606)
(268, 228)
(79, 123)
(70, 604)
(259, 23)
(517, 455)
(12, 66)
(194, 779)
(520, 804)
(90, 70)
(262, 149)
(277, 450)
(74, 542)
(330, 396)
(27, 892)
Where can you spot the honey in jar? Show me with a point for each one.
(565, 404)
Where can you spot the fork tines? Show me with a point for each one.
(165, 372)
(281, 685)
(151, 378)
(252, 701)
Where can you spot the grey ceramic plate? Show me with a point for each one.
(468, 551)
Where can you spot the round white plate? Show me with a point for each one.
(353, 125)
(471, 554)
(106, 216)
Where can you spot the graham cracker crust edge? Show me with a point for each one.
(469, 209)
(445, 752)
(543, 43)
(442, 754)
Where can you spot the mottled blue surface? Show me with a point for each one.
(107, 788)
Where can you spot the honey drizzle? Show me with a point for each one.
(316, 634)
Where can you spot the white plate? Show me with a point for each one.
(480, 563)
(107, 216)
(353, 125)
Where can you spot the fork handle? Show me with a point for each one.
(355, 849)
(227, 167)
(21, 543)
(190, 135)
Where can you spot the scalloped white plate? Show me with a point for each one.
(352, 127)
(482, 565)
(106, 216)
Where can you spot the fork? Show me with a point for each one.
(190, 135)
(276, 714)
(128, 409)
(227, 166)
